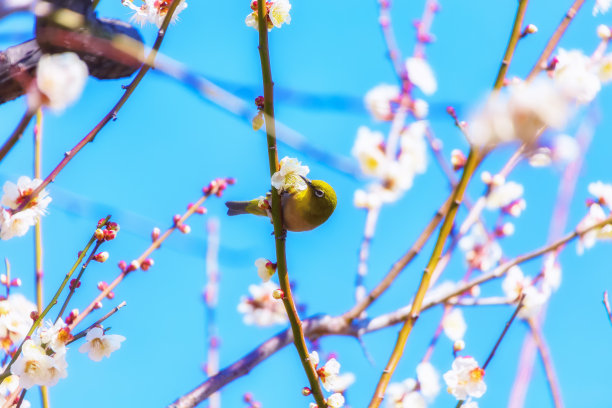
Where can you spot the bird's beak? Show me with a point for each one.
(306, 180)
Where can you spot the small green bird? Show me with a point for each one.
(303, 210)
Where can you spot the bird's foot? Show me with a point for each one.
(282, 236)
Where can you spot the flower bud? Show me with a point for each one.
(34, 315)
(603, 31)
(3, 279)
(71, 316)
(184, 228)
(458, 346)
(101, 257)
(74, 284)
(111, 295)
(98, 305)
(155, 234)
(101, 222)
(109, 235)
(258, 121)
(102, 285)
(531, 29)
(146, 264)
(16, 282)
(122, 265)
(133, 266)
(99, 234)
(306, 391)
(458, 159)
(278, 294)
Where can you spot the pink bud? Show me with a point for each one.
(133, 266)
(146, 264)
(122, 265)
(98, 305)
(185, 229)
(155, 234)
(99, 234)
(101, 257)
(176, 218)
(306, 391)
(102, 285)
(101, 222)
(278, 294)
(16, 282)
(111, 295)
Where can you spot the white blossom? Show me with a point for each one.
(413, 148)
(481, 250)
(521, 112)
(335, 400)
(61, 79)
(552, 273)
(54, 335)
(421, 75)
(35, 367)
(153, 11)
(465, 379)
(576, 76)
(603, 192)
(429, 380)
(277, 14)
(502, 195)
(99, 345)
(595, 215)
(369, 152)
(404, 395)
(454, 325)
(601, 6)
(17, 224)
(260, 308)
(265, 269)
(290, 175)
(381, 100)
(15, 320)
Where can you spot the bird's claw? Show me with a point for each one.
(282, 236)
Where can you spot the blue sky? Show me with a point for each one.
(167, 143)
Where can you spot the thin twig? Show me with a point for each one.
(155, 245)
(551, 376)
(503, 334)
(512, 42)
(17, 133)
(41, 316)
(69, 155)
(83, 333)
(542, 62)
(279, 232)
(607, 306)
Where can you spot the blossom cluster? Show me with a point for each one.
(290, 176)
(277, 14)
(393, 173)
(15, 222)
(154, 11)
(332, 381)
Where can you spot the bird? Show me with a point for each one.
(303, 210)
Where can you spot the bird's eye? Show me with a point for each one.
(319, 193)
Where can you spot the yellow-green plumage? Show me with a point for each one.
(302, 210)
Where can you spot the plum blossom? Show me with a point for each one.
(516, 284)
(454, 325)
(153, 11)
(336, 400)
(520, 113)
(35, 367)
(328, 373)
(601, 6)
(481, 251)
(465, 379)
(61, 79)
(15, 319)
(16, 224)
(404, 395)
(289, 176)
(576, 75)
(429, 380)
(421, 75)
(265, 269)
(504, 194)
(54, 335)
(382, 100)
(260, 308)
(595, 215)
(277, 14)
(369, 150)
(603, 193)
(99, 345)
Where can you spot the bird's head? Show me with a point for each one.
(321, 199)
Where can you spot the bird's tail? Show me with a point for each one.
(244, 207)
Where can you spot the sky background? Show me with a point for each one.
(168, 142)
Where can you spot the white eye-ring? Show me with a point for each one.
(319, 193)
